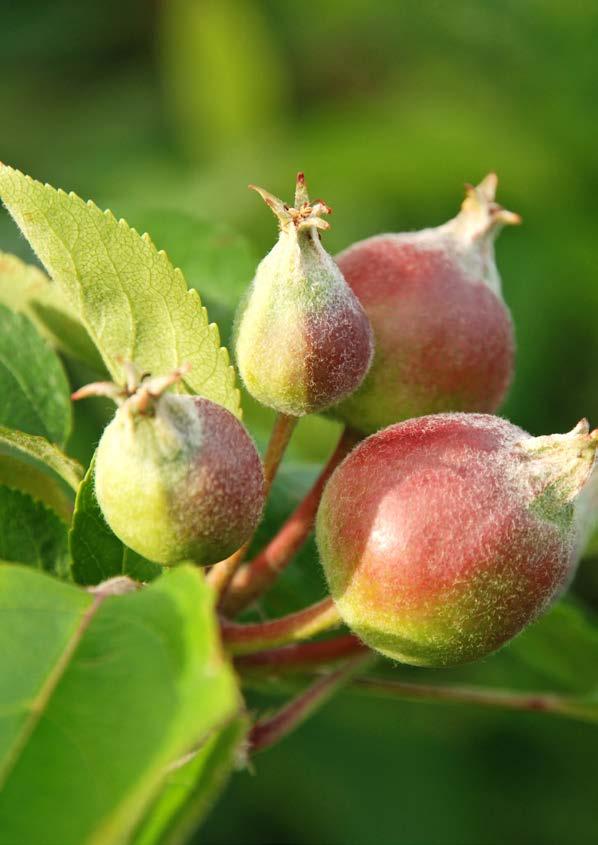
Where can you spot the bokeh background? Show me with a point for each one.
(164, 112)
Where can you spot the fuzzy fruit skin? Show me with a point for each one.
(443, 342)
(443, 537)
(302, 339)
(444, 337)
(184, 483)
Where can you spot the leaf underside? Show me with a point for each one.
(24, 288)
(28, 478)
(40, 449)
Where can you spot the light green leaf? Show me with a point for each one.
(26, 289)
(20, 283)
(31, 533)
(96, 552)
(28, 478)
(42, 450)
(190, 791)
(217, 261)
(133, 302)
(34, 391)
(101, 695)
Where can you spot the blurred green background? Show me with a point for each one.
(165, 111)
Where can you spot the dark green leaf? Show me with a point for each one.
(31, 533)
(139, 568)
(101, 695)
(34, 391)
(96, 552)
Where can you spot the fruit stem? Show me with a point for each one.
(526, 701)
(253, 579)
(302, 625)
(284, 426)
(222, 573)
(301, 657)
(267, 732)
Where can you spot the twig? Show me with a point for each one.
(542, 702)
(301, 657)
(253, 579)
(268, 732)
(222, 573)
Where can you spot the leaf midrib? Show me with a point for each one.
(38, 705)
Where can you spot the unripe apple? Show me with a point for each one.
(444, 536)
(302, 340)
(443, 334)
(177, 477)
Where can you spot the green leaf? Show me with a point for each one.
(34, 391)
(561, 648)
(31, 533)
(101, 695)
(28, 478)
(45, 452)
(138, 567)
(20, 283)
(133, 302)
(26, 289)
(96, 552)
(190, 791)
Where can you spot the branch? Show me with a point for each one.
(254, 637)
(222, 573)
(301, 657)
(538, 702)
(268, 732)
(253, 579)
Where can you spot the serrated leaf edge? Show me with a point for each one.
(212, 327)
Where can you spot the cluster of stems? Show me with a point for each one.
(283, 645)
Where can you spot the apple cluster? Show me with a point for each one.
(447, 529)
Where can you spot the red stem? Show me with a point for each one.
(256, 577)
(300, 657)
(302, 625)
(268, 732)
(279, 440)
(223, 572)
